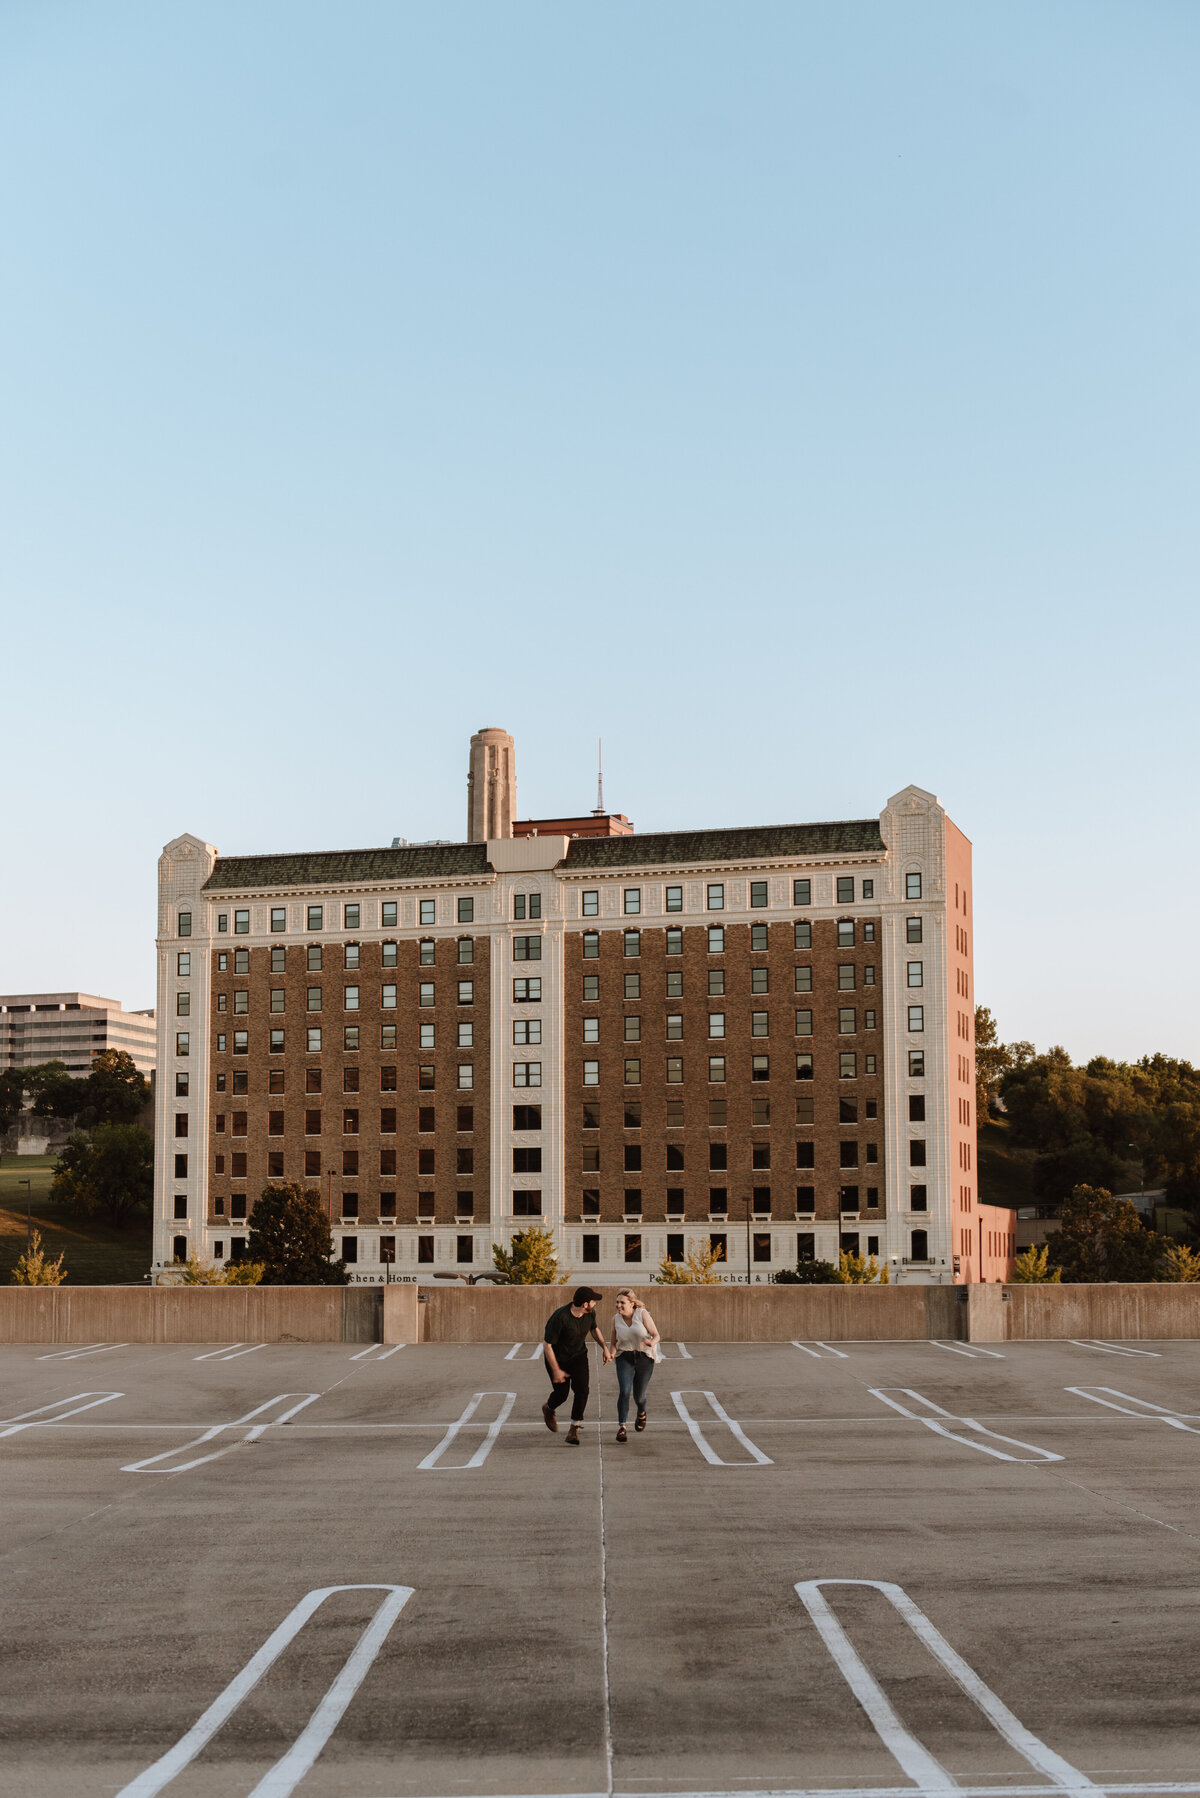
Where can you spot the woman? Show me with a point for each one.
(634, 1343)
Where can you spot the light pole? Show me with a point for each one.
(746, 1203)
(28, 1185)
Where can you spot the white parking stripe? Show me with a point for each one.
(286, 1774)
(377, 1351)
(962, 1423)
(212, 1354)
(958, 1348)
(60, 1354)
(684, 1350)
(17, 1424)
(808, 1351)
(1139, 1407)
(698, 1437)
(912, 1757)
(150, 1465)
(841, 1355)
(1115, 1348)
(429, 1464)
(514, 1351)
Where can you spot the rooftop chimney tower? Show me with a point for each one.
(491, 786)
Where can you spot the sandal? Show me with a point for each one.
(641, 1421)
(622, 1436)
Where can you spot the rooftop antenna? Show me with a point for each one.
(598, 808)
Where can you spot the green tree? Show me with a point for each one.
(809, 1273)
(34, 1268)
(992, 1061)
(532, 1260)
(109, 1175)
(698, 1267)
(12, 1097)
(53, 1092)
(1103, 1238)
(1032, 1267)
(1179, 1263)
(114, 1092)
(290, 1236)
(853, 1270)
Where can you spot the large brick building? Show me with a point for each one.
(764, 1036)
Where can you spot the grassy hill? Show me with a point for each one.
(95, 1254)
(1005, 1173)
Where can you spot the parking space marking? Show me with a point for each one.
(962, 1423)
(813, 1349)
(1115, 1348)
(233, 1351)
(30, 1420)
(702, 1443)
(958, 1348)
(150, 1465)
(912, 1756)
(430, 1463)
(515, 1351)
(371, 1348)
(283, 1778)
(1139, 1407)
(61, 1354)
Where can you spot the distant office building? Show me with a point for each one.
(762, 1038)
(72, 1027)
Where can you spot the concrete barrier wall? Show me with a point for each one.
(700, 1313)
(1119, 1313)
(64, 1314)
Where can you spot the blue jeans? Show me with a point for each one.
(633, 1376)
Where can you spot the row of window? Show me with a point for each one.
(314, 998)
(848, 974)
(237, 961)
(673, 1025)
(718, 1112)
(848, 934)
(529, 905)
(760, 1069)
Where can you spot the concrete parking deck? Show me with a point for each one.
(368, 1572)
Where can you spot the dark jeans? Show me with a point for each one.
(633, 1375)
(577, 1373)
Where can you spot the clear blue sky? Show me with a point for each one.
(802, 397)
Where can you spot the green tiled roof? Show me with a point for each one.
(343, 867)
(857, 836)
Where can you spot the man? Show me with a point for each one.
(564, 1349)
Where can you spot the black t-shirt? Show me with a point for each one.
(568, 1334)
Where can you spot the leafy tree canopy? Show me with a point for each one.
(290, 1236)
(698, 1267)
(109, 1174)
(532, 1260)
(809, 1273)
(853, 1270)
(1103, 1238)
(1032, 1267)
(35, 1268)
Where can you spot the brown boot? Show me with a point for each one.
(573, 1435)
(549, 1418)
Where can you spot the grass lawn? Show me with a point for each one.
(95, 1254)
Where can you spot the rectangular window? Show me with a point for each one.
(314, 958)
(913, 930)
(760, 1067)
(674, 1026)
(804, 1023)
(716, 939)
(868, 1064)
(350, 957)
(466, 949)
(519, 907)
(426, 993)
(241, 961)
(674, 1070)
(633, 1072)
(868, 889)
(916, 1064)
(674, 1245)
(427, 1036)
(674, 942)
(529, 1073)
(591, 1030)
(276, 1042)
(591, 1246)
(759, 1024)
(183, 1005)
(466, 910)
(527, 991)
(241, 1002)
(633, 986)
(633, 1028)
(804, 1111)
(802, 892)
(758, 937)
(466, 992)
(591, 1203)
(466, 1036)
(183, 964)
(314, 1041)
(278, 996)
(916, 973)
(350, 1036)
(350, 999)
(633, 1248)
(846, 1021)
(846, 976)
(428, 911)
(715, 896)
(466, 1075)
(868, 976)
(847, 1065)
(674, 983)
(802, 936)
(845, 933)
(313, 1002)
(916, 1152)
(848, 1154)
(241, 1042)
(387, 1036)
(387, 998)
(804, 1067)
(525, 1117)
(633, 1159)
(804, 980)
(427, 952)
(222, 923)
(183, 923)
(388, 917)
(222, 1040)
(916, 1017)
(912, 886)
(279, 961)
(633, 942)
(762, 1245)
(674, 899)
(716, 1023)
(632, 901)
(316, 917)
(868, 1020)
(524, 1161)
(805, 1154)
(760, 980)
(241, 923)
(590, 906)
(527, 948)
(527, 1204)
(916, 1108)
(918, 1198)
(845, 889)
(387, 1079)
(758, 893)
(716, 1068)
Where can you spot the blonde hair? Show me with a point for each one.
(627, 1292)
